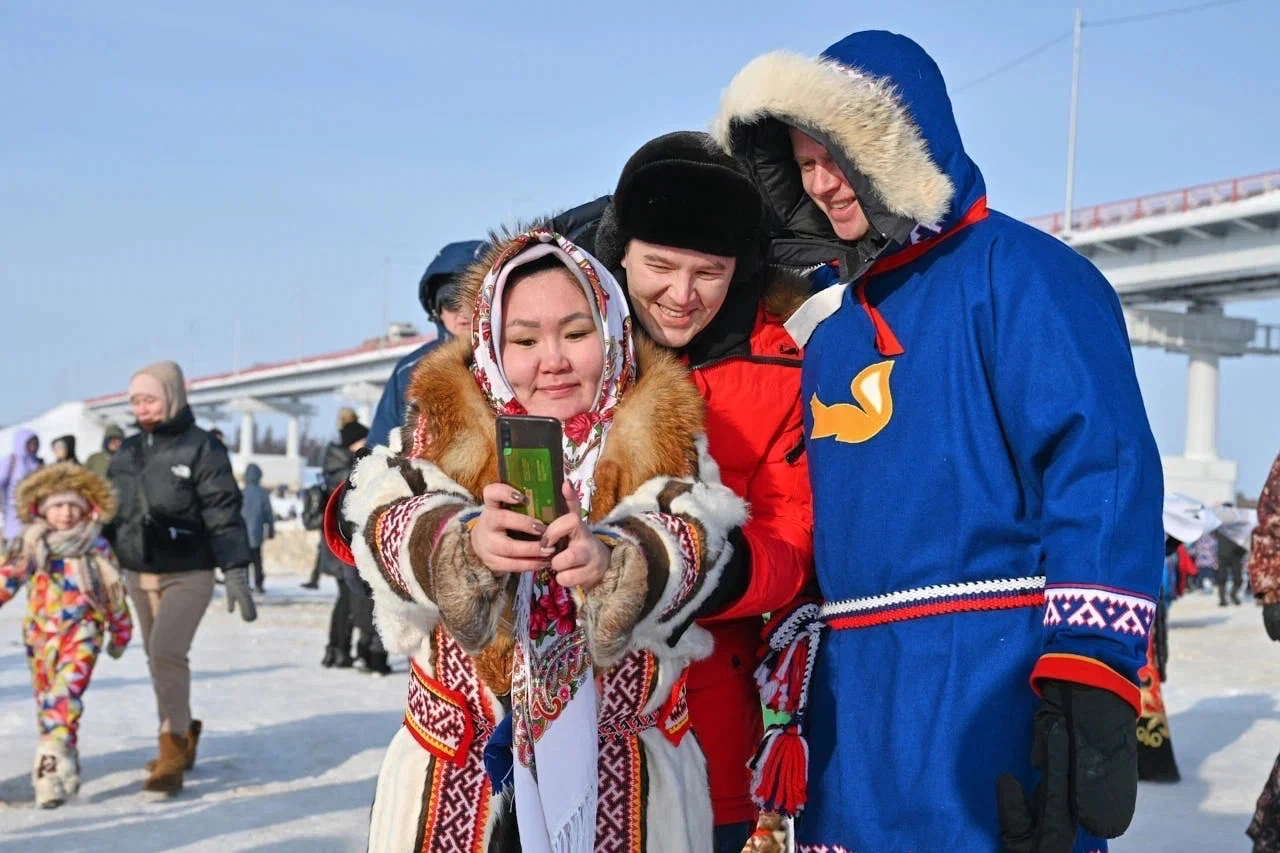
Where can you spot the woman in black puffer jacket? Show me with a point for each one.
(179, 517)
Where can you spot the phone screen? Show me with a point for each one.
(529, 470)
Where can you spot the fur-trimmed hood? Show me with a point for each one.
(450, 424)
(66, 477)
(879, 104)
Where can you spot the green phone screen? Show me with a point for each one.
(529, 470)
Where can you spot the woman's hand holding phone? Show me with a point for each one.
(584, 559)
(491, 535)
(581, 562)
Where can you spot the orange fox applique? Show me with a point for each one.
(856, 422)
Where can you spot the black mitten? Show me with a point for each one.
(1086, 749)
(237, 587)
(1271, 620)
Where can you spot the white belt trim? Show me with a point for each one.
(927, 593)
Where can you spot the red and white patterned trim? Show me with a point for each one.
(392, 528)
(1099, 608)
(823, 848)
(1003, 594)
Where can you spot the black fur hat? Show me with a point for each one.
(682, 190)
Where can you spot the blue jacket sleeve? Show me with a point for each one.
(1062, 373)
(390, 410)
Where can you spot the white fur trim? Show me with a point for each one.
(718, 510)
(860, 113)
(405, 626)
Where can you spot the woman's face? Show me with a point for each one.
(148, 409)
(63, 515)
(551, 349)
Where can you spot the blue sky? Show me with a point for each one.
(169, 169)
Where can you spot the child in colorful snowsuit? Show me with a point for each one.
(76, 604)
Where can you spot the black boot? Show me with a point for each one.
(310, 584)
(330, 657)
(1235, 598)
(376, 663)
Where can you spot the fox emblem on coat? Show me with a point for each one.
(856, 422)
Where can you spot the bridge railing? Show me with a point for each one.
(1159, 204)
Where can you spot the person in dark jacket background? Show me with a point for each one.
(336, 466)
(99, 461)
(259, 521)
(179, 517)
(64, 449)
(438, 292)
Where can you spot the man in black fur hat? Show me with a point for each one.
(683, 235)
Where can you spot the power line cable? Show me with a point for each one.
(1105, 22)
(1014, 63)
(1181, 10)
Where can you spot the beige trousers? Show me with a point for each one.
(169, 607)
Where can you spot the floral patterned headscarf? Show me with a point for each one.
(583, 433)
(554, 704)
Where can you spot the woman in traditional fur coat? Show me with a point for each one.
(598, 635)
(75, 605)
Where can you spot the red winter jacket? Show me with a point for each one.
(755, 434)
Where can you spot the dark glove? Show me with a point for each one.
(237, 587)
(1271, 620)
(1086, 749)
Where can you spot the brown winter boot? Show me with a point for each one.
(166, 778)
(193, 737)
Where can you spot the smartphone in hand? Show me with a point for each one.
(531, 459)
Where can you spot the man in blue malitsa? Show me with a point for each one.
(987, 491)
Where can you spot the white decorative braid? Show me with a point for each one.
(998, 594)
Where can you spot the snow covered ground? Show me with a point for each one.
(1223, 698)
(287, 762)
(291, 750)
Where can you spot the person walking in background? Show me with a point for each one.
(1230, 568)
(259, 520)
(99, 461)
(354, 606)
(1264, 579)
(22, 461)
(64, 449)
(179, 517)
(438, 292)
(76, 605)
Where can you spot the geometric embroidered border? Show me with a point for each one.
(1002, 594)
(689, 548)
(1099, 608)
(392, 527)
(823, 848)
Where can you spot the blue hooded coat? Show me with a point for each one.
(987, 491)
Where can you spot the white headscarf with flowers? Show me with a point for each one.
(553, 691)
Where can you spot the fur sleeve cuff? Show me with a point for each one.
(398, 507)
(469, 596)
(672, 547)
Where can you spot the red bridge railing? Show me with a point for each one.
(1159, 204)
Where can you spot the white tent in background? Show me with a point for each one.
(64, 419)
(1187, 519)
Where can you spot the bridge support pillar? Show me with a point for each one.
(291, 438)
(1199, 472)
(246, 435)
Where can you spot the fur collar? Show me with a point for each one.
(860, 113)
(450, 425)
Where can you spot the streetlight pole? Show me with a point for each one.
(1071, 124)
